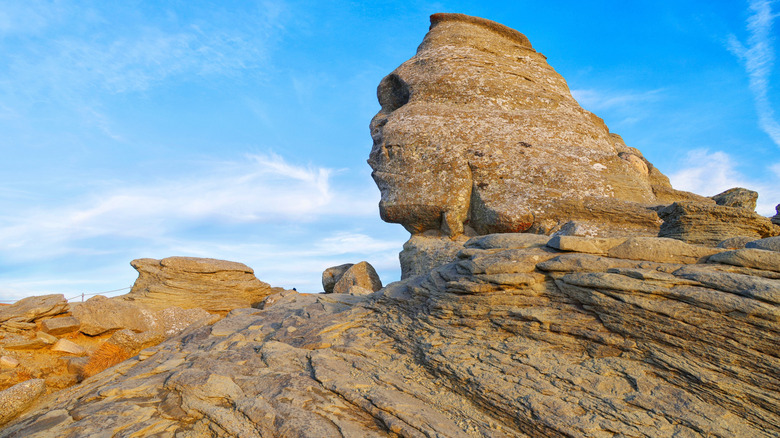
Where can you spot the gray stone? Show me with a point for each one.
(737, 197)
(776, 218)
(590, 245)
(423, 253)
(769, 243)
(507, 241)
(19, 398)
(703, 224)
(331, 275)
(749, 258)
(360, 274)
(32, 308)
(735, 242)
(60, 326)
(100, 315)
(662, 250)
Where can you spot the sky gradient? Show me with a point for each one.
(239, 130)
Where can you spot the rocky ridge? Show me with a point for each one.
(516, 338)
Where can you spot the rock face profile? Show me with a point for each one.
(189, 282)
(478, 131)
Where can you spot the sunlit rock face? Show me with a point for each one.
(478, 131)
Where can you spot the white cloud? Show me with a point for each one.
(709, 173)
(599, 100)
(758, 58)
(259, 189)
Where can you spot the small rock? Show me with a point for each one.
(8, 362)
(60, 326)
(173, 320)
(735, 242)
(361, 274)
(770, 243)
(737, 197)
(66, 346)
(19, 397)
(331, 275)
(422, 253)
(76, 364)
(47, 338)
(17, 325)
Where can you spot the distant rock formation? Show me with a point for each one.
(478, 131)
(355, 279)
(642, 337)
(708, 224)
(190, 282)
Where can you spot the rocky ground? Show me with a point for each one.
(521, 336)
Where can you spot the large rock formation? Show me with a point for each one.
(477, 130)
(189, 282)
(514, 339)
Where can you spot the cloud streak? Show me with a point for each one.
(757, 57)
(259, 189)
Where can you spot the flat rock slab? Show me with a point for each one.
(662, 250)
(749, 258)
(66, 346)
(99, 315)
(19, 397)
(32, 308)
(60, 326)
(705, 224)
(770, 244)
(590, 245)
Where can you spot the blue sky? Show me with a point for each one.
(239, 130)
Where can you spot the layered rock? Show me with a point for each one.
(189, 282)
(711, 224)
(515, 338)
(478, 131)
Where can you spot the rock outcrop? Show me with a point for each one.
(514, 338)
(189, 282)
(737, 197)
(711, 224)
(478, 131)
(351, 278)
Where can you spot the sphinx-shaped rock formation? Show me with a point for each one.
(478, 131)
(190, 282)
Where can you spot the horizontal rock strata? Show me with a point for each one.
(514, 338)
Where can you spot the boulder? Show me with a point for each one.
(738, 198)
(770, 243)
(99, 315)
(704, 224)
(189, 282)
(776, 218)
(19, 397)
(60, 326)
(477, 131)
(32, 308)
(423, 252)
(362, 275)
(331, 275)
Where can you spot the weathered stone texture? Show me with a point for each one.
(32, 308)
(711, 224)
(360, 275)
(478, 131)
(189, 282)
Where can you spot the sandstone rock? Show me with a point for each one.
(477, 130)
(189, 282)
(66, 346)
(749, 258)
(60, 326)
(735, 242)
(32, 308)
(331, 275)
(737, 197)
(76, 364)
(99, 315)
(590, 245)
(662, 250)
(361, 275)
(173, 320)
(8, 362)
(422, 253)
(34, 343)
(770, 243)
(45, 337)
(17, 325)
(508, 241)
(19, 397)
(710, 224)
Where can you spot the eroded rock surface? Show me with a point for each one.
(699, 223)
(515, 338)
(189, 282)
(478, 131)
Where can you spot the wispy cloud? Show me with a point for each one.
(259, 189)
(758, 56)
(709, 173)
(621, 101)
